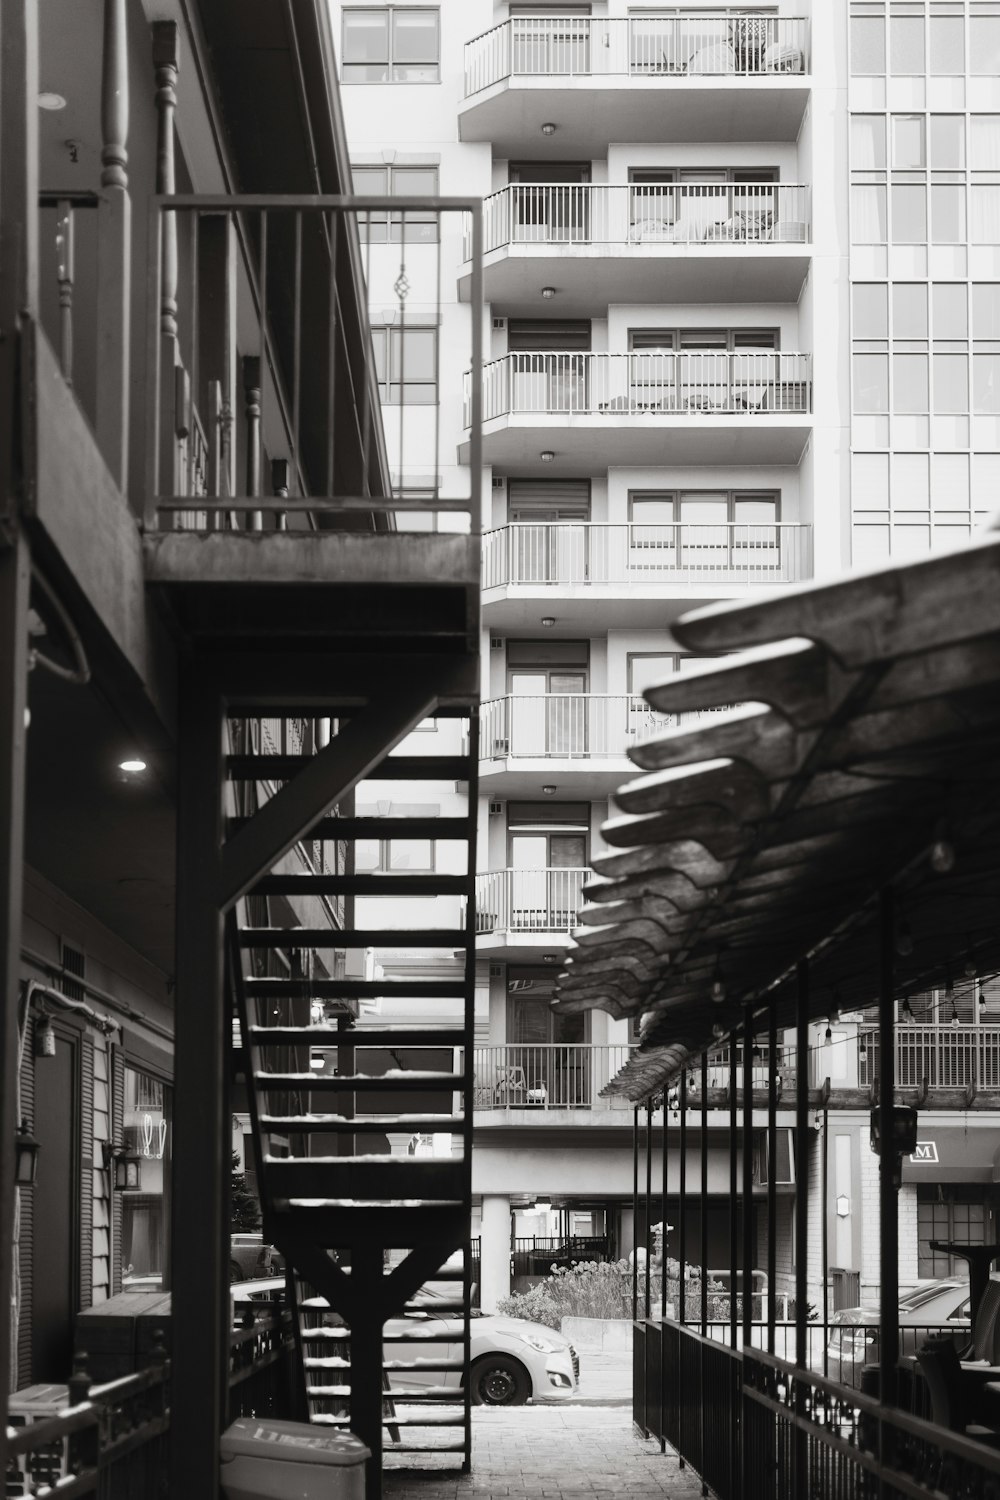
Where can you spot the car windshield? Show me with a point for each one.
(922, 1295)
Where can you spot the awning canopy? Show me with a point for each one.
(864, 751)
(949, 1153)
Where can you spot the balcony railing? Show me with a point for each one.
(696, 44)
(572, 553)
(645, 385)
(689, 213)
(565, 726)
(529, 900)
(948, 1057)
(555, 1075)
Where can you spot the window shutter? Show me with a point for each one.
(86, 1171)
(117, 1128)
(538, 335)
(27, 1221)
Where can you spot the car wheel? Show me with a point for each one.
(235, 1274)
(498, 1380)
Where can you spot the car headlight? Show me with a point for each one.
(539, 1342)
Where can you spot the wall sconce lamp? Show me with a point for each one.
(125, 1167)
(26, 1150)
(45, 1037)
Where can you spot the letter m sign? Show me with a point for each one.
(925, 1153)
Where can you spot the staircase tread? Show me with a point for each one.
(329, 1123)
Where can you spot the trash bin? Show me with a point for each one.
(264, 1459)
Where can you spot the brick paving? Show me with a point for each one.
(565, 1452)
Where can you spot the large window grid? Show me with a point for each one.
(414, 227)
(391, 44)
(406, 365)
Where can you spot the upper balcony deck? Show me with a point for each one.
(590, 411)
(629, 242)
(695, 76)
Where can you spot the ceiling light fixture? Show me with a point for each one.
(549, 790)
(548, 128)
(132, 767)
(548, 291)
(548, 621)
(51, 101)
(546, 455)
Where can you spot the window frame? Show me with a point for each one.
(385, 865)
(388, 380)
(390, 13)
(391, 229)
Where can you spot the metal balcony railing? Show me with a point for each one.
(577, 553)
(948, 1057)
(565, 726)
(689, 213)
(554, 1075)
(529, 900)
(695, 44)
(641, 384)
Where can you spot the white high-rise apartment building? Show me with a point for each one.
(742, 279)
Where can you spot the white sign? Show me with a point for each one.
(925, 1154)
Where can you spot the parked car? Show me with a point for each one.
(250, 1258)
(931, 1307)
(512, 1359)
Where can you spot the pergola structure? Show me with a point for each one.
(825, 840)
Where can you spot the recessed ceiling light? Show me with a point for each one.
(546, 455)
(548, 621)
(548, 291)
(51, 101)
(133, 767)
(548, 790)
(548, 128)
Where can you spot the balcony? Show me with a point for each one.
(583, 735)
(636, 567)
(692, 242)
(594, 411)
(959, 1057)
(518, 909)
(686, 77)
(548, 1077)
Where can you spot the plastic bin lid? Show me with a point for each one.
(291, 1442)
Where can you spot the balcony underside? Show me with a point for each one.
(522, 947)
(586, 777)
(513, 277)
(591, 112)
(587, 445)
(379, 587)
(635, 605)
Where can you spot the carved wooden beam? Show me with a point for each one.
(114, 264)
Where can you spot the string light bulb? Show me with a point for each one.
(863, 1047)
(908, 1009)
(982, 1000)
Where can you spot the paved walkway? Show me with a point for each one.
(567, 1452)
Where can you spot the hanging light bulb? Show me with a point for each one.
(718, 987)
(954, 1012)
(982, 1000)
(691, 1082)
(908, 1009)
(718, 1031)
(942, 856)
(969, 968)
(756, 1051)
(863, 1047)
(828, 1034)
(673, 1100)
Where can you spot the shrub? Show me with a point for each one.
(604, 1290)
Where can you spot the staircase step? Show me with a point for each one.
(425, 1366)
(341, 1222)
(362, 1178)
(324, 1124)
(426, 1447)
(359, 1083)
(363, 885)
(329, 1036)
(356, 989)
(392, 768)
(354, 937)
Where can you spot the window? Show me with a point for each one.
(949, 309)
(551, 713)
(146, 1121)
(867, 44)
(909, 310)
(985, 310)
(704, 531)
(909, 383)
(948, 1214)
(908, 148)
(406, 362)
(906, 44)
(868, 217)
(948, 142)
(947, 213)
(386, 856)
(548, 843)
(947, 45)
(871, 312)
(909, 214)
(984, 45)
(984, 142)
(868, 143)
(391, 44)
(871, 383)
(397, 182)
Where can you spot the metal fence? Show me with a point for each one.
(945, 1056)
(722, 383)
(573, 553)
(751, 1423)
(698, 44)
(529, 900)
(552, 1075)
(688, 213)
(535, 1255)
(565, 725)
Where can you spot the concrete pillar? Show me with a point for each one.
(494, 1264)
(627, 1242)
